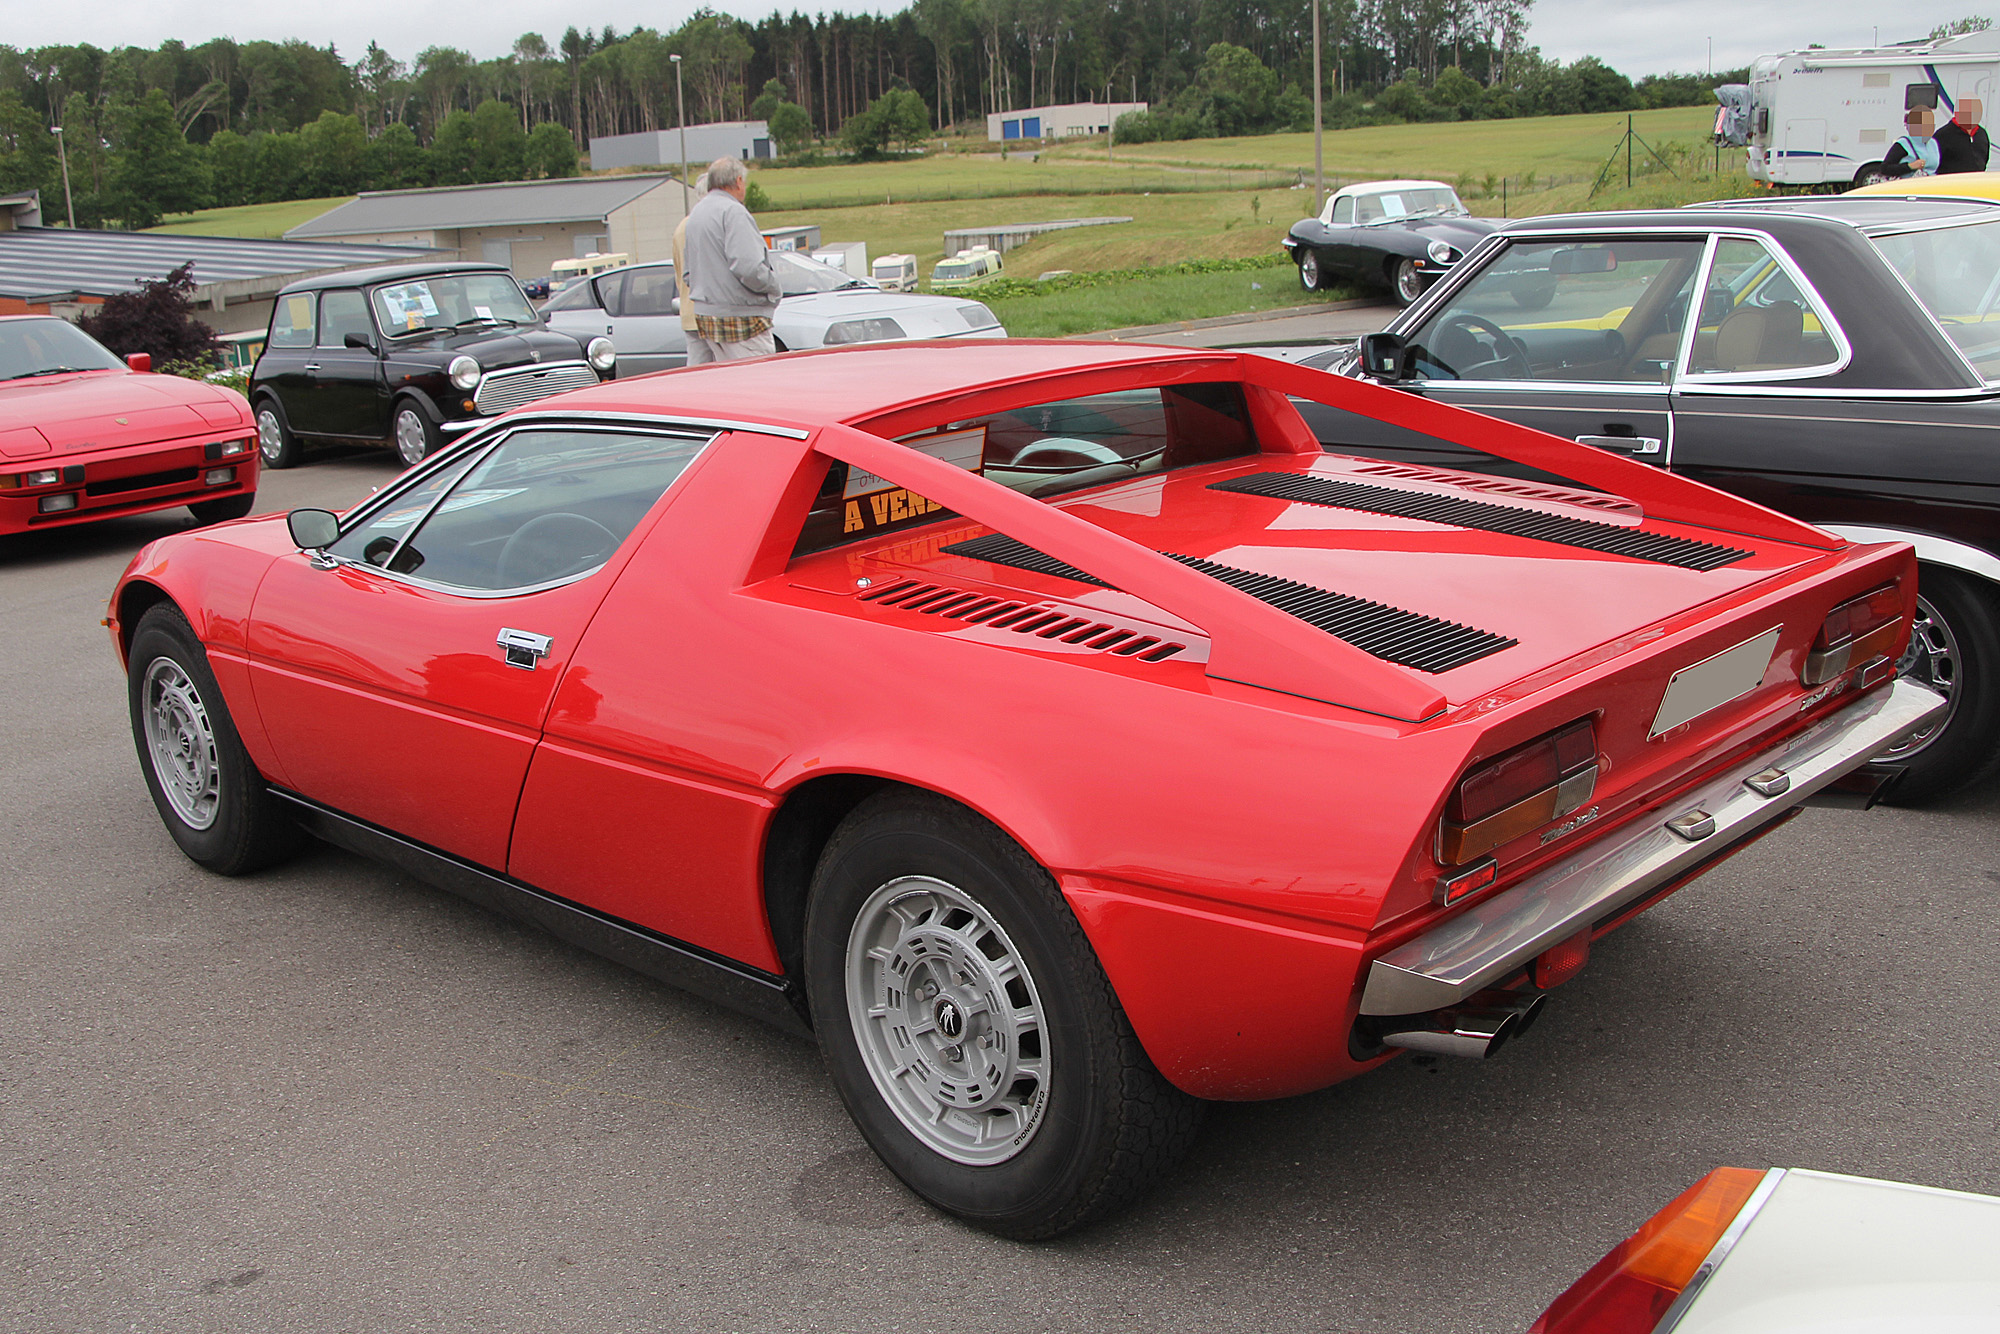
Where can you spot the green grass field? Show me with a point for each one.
(987, 175)
(255, 221)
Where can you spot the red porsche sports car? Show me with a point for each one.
(87, 436)
(1052, 729)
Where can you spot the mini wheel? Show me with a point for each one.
(416, 430)
(209, 794)
(275, 440)
(970, 1030)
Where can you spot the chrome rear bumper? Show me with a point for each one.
(1498, 937)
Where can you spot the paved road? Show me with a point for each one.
(330, 1098)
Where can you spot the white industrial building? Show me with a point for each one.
(745, 139)
(1056, 122)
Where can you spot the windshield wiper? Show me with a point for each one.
(487, 319)
(52, 370)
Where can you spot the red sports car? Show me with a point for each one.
(1052, 729)
(87, 436)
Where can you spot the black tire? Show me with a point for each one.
(1312, 274)
(216, 511)
(275, 440)
(1871, 173)
(1965, 616)
(1406, 281)
(247, 830)
(415, 429)
(1108, 1124)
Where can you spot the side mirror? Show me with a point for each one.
(361, 342)
(1385, 356)
(139, 361)
(312, 530)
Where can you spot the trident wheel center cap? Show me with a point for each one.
(949, 1018)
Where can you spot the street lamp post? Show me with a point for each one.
(62, 153)
(681, 115)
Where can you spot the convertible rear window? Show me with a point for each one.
(1955, 272)
(1045, 450)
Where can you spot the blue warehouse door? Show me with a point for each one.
(1010, 129)
(1031, 127)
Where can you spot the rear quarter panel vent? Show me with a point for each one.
(1057, 626)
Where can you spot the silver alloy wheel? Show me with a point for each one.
(1309, 269)
(948, 1021)
(1931, 659)
(411, 440)
(270, 434)
(1409, 282)
(181, 742)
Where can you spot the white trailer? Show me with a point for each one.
(1830, 115)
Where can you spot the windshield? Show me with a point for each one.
(1393, 204)
(50, 347)
(1955, 272)
(799, 276)
(449, 301)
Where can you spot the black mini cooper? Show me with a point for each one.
(407, 356)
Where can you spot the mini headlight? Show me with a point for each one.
(1440, 253)
(601, 355)
(464, 372)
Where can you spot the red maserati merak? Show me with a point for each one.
(1054, 730)
(86, 436)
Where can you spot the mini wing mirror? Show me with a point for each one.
(312, 530)
(1385, 356)
(360, 341)
(1581, 259)
(139, 361)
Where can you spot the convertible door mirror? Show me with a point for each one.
(312, 530)
(361, 342)
(1385, 356)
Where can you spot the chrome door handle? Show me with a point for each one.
(1624, 444)
(312, 365)
(524, 647)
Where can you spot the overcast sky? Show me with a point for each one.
(1636, 38)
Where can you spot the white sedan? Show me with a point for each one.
(638, 306)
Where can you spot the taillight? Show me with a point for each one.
(1854, 633)
(1518, 792)
(1631, 1288)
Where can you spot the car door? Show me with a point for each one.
(403, 675)
(1577, 337)
(343, 385)
(645, 318)
(282, 367)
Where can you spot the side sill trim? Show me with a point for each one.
(752, 991)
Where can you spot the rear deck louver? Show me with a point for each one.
(1427, 643)
(1485, 516)
(1022, 618)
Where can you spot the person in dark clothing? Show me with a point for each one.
(1916, 153)
(1962, 143)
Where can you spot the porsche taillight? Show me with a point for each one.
(1518, 792)
(1631, 1288)
(1855, 633)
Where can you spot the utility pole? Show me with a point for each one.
(69, 209)
(1319, 163)
(681, 116)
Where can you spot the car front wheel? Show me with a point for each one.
(1406, 281)
(1955, 650)
(1310, 276)
(203, 782)
(275, 440)
(417, 432)
(970, 1030)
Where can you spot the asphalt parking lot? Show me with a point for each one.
(331, 1098)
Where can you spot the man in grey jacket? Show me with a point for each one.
(729, 272)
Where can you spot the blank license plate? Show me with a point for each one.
(1713, 682)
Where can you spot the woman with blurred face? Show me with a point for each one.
(1916, 153)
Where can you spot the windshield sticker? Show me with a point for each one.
(300, 310)
(483, 312)
(409, 304)
(1393, 205)
(885, 509)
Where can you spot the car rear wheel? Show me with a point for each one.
(417, 431)
(1955, 650)
(1872, 173)
(275, 440)
(1405, 281)
(209, 794)
(215, 511)
(1310, 276)
(970, 1029)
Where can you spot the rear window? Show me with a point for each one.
(1046, 450)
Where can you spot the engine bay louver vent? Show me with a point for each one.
(1408, 638)
(1502, 486)
(1057, 624)
(1485, 516)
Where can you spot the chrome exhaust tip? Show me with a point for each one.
(1474, 1032)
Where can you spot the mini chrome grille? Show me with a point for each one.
(516, 385)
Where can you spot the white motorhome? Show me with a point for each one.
(1830, 115)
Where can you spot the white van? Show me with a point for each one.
(1827, 115)
(896, 273)
(968, 268)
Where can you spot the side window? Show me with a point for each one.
(1755, 319)
(540, 507)
(375, 539)
(1343, 211)
(579, 295)
(1599, 312)
(292, 321)
(1920, 95)
(343, 311)
(641, 291)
